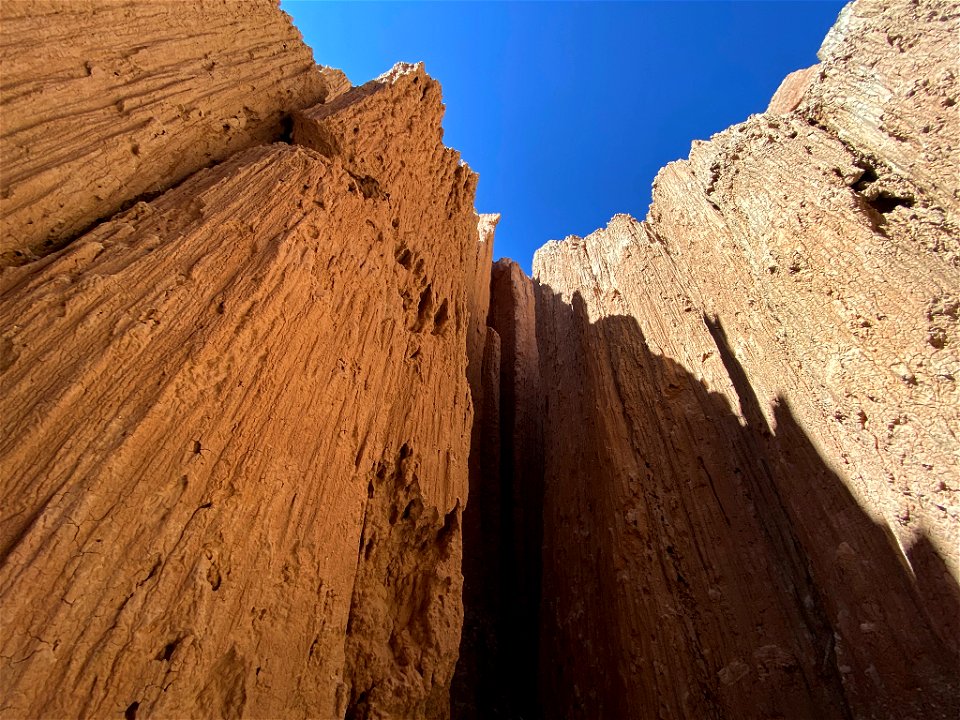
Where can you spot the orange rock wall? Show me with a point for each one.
(236, 428)
(106, 102)
(712, 456)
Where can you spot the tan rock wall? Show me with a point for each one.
(848, 266)
(104, 102)
(751, 413)
(713, 557)
(791, 91)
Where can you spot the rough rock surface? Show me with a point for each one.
(751, 414)
(723, 586)
(712, 457)
(792, 90)
(889, 90)
(236, 426)
(105, 102)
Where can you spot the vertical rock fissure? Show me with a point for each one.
(512, 315)
(498, 673)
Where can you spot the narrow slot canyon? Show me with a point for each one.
(672, 531)
(280, 438)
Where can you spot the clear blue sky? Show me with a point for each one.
(567, 110)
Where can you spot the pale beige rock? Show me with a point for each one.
(684, 500)
(890, 89)
(105, 102)
(236, 430)
(854, 297)
(791, 90)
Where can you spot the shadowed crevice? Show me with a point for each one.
(695, 562)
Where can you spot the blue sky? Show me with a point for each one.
(568, 110)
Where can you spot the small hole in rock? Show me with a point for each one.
(411, 509)
(440, 318)
(885, 203)
(869, 176)
(167, 653)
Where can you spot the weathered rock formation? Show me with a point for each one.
(750, 412)
(712, 456)
(105, 102)
(237, 417)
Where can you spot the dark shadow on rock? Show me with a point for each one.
(478, 690)
(696, 565)
(497, 672)
(938, 590)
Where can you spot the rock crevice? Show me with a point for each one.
(749, 414)
(281, 440)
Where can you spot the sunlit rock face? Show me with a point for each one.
(105, 103)
(236, 424)
(258, 370)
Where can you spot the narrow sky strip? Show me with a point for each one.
(568, 110)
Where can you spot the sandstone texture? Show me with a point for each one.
(792, 90)
(889, 91)
(106, 102)
(236, 428)
(280, 440)
(750, 409)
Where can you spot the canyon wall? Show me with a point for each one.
(108, 102)
(749, 445)
(236, 418)
(254, 352)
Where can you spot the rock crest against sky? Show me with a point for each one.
(279, 439)
(567, 110)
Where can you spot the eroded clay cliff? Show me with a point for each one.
(712, 456)
(105, 102)
(236, 418)
(750, 457)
